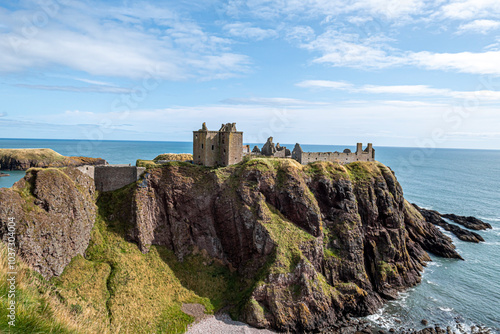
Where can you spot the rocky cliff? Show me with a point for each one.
(23, 159)
(318, 242)
(54, 211)
(283, 246)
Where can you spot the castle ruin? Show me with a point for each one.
(343, 158)
(218, 148)
(225, 147)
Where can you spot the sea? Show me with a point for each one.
(459, 181)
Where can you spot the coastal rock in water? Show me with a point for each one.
(434, 217)
(54, 211)
(470, 222)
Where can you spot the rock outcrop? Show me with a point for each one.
(470, 222)
(23, 159)
(319, 242)
(54, 211)
(435, 218)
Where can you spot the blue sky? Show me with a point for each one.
(391, 72)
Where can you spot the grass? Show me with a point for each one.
(386, 270)
(331, 170)
(174, 156)
(146, 163)
(288, 238)
(41, 157)
(361, 172)
(140, 293)
(38, 308)
(42, 154)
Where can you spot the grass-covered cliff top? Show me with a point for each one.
(164, 157)
(40, 154)
(23, 159)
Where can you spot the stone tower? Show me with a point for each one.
(218, 148)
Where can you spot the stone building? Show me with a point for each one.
(344, 158)
(218, 148)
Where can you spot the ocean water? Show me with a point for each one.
(464, 182)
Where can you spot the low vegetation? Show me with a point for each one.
(41, 154)
(174, 156)
(23, 159)
(38, 306)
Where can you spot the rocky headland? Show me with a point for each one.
(277, 244)
(23, 159)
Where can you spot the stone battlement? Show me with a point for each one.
(344, 158)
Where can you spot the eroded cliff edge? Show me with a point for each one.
(54, 211)
(307, 245)
(318, 241)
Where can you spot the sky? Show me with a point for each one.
(410, 73)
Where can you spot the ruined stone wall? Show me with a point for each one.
(343, 158)
(218, 148)
(87, 170)
(206, 148)
(112, 177)
(231, 144)
(280, 154)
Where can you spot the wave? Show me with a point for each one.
(492, 243)
(489, 218)
(446, 309)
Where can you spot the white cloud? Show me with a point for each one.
(407, 120)
(479, 26)
(350, 50)
(86, 89)
(300, 34)
(296, 9)
(411, 90)
(247, 31)
(466, 62)
(111, 41)
(273, 101)
(324, 84)
(471, 9)
(339, 49)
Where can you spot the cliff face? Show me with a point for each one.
(316, 242)
(54, 210)
(23, 159)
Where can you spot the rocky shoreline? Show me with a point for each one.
(436, 218)
(223, 324)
